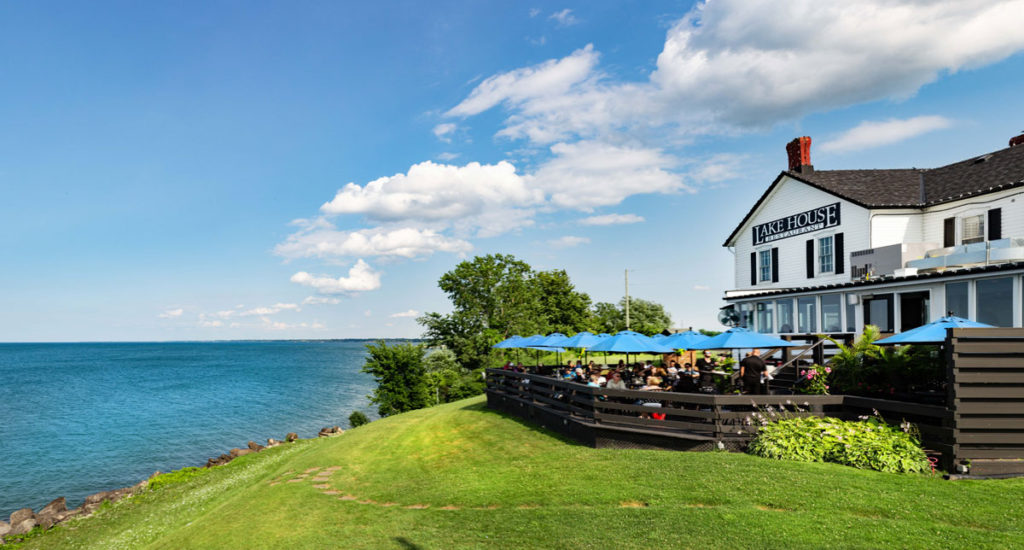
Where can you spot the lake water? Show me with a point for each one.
(76, 419)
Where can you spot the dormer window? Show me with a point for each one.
(972, 229)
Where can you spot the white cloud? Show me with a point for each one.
(368, 313)
(474, 197)
(567, 241)
(534, 12)
(612, 219)
(587, 174)
(262, 311)
(735, 64)
(701, 287)
(409, 313)
(447, 157)
(869, 134)
(317, 300)
(444, 131)
(361, 278)
(552, 78)
(564, 18)
(206, 323)
(318, 240)
(171, 313)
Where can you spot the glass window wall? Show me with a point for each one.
(994, 301)
(785, 310)
(807, 314)
(831, 309)
(851, 313)
(956, 299)
(765, 317)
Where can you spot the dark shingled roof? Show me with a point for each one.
(913, 187)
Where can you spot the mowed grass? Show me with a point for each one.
(462, 476)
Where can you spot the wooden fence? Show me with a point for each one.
(601, 417)
(980, 430)
(986, 397)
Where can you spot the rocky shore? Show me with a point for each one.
(23, 521)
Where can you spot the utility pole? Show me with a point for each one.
(627, 299)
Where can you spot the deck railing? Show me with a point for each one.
(710, 417)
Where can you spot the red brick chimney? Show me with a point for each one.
(1017, 140)
(799, 152)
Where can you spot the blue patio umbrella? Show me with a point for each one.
(658, 336)
(537, 342)
(931, 333)
(627, 341)
(508, 343)
(584, 340)
(554, 341)
(684, 340)
(741, 338)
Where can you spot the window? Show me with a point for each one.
(825, 257)
(851, 313)
(972, 229)
(746, 315)
(785, 310)
(878, 311)
(956, 299)
(807, 314)
(831, 306)
(994, 302)
(764, 317)
(766, 265)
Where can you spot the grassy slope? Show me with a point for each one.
(509, 485)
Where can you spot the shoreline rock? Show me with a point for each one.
(25, 520)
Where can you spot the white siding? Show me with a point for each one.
(793, 197)
(1011, 202)
(895, 226)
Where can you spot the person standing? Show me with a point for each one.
(752, 368)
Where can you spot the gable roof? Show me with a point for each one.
(911, 187)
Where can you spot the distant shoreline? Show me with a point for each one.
(250, 341)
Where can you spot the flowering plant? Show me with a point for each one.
(813, 380)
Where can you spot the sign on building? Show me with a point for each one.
(804, 222)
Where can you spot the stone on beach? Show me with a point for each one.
(23, 527)
(19, 516)
(292, 436)
(55, 507)
(4, 528)
(256, 446)
(236, 452)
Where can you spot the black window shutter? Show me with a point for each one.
(840, 256)
(995, 224)
(775, 265)
(753, 268)
(949, 232)
(810, 258)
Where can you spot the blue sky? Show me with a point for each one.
(225, 170)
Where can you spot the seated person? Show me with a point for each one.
(616, 382)
(594, 381)
(653, 384)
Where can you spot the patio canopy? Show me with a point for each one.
(741, 338)
(627, 341)
(931, 333)
(583, 340)
(684, 340)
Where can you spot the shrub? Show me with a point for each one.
(179, 476)
(869, 444)
(813, 380)
(357, 419)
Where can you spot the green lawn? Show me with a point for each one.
(461, 476)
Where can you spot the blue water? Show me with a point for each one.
(80, 418)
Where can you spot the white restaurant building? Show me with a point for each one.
(830, 251)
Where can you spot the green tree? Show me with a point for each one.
(493, 297)
(707, 332)
(562, 307)
(448, 381)
(401, 377)
(645, 316)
